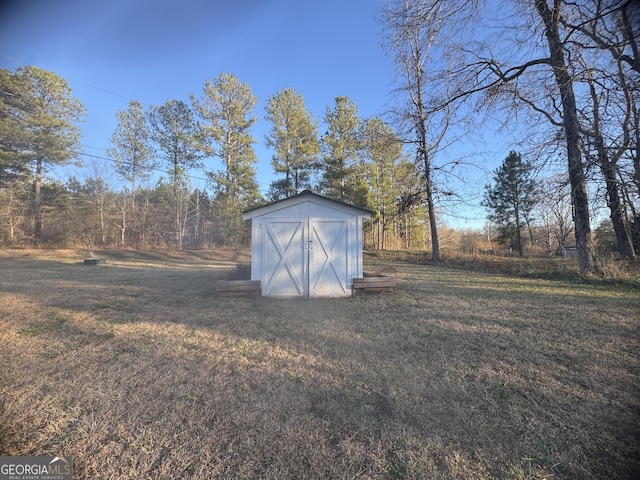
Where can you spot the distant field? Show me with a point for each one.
(138, 369)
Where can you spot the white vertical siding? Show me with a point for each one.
(329, 248)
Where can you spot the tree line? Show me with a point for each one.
(359, 161)
(565, 75)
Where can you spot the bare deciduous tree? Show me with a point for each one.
(412, 30)
(604, 52)
(496, 62)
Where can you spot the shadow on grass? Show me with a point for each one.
(611, 273)
(456, 375)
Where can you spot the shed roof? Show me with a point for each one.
(306, 195)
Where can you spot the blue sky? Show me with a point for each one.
(114, 51)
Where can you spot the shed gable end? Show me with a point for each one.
(306, 246)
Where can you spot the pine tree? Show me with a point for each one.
(38, 121)
(340, 152)
(381, 151)
(510, 201)
(173, 128)
(14, 156)
(227, 117)
(294, 137)
(132, 152)
(133, 156)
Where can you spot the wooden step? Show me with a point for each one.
(238, 287)
(374, 284)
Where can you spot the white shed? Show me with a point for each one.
(306, 246)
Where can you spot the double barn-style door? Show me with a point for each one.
(305, 257)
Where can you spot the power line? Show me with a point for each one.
(104, 90)
(143, 167)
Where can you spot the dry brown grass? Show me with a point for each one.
(139, 370)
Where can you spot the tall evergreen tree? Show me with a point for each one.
(133, 155)
(512, 198)
(173, 128)
(340, 151)
(132, 150)
(294, 137)
(38, 121)
(381, 151)
(14, 151)
(227, 117)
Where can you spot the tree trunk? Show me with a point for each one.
(423, 151)
(636, 152)
(14, 219)
(143, 224)
(176, 202)
(382, 232)
(123, 225)
(103, 230)
(530, 230)
(551, 20)
(607, 164)
(519, 235)
(37, 229)
(623, 238)
(435, 243)
(196, 227)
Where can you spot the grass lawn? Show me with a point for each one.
(138, 369)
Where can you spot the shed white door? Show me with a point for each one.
(284, 258)
(305, 257)
(328, 257)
